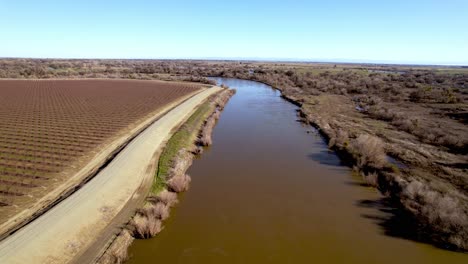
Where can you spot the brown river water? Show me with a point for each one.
(269, 191)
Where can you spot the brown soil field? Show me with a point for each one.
(51, 128)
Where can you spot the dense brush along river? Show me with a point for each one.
(270, 191)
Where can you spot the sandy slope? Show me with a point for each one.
(70, 227)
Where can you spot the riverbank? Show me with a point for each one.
(170, 177)
(427, 182)
(389, 160)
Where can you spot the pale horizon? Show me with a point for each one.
(419, 33)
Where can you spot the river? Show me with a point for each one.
(269, 191)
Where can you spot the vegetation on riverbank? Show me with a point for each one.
(182, 139)
(412, 147)
(170, 177)
(435, 200)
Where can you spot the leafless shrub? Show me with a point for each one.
(371, 179)
(442, 213)
(154, 210)
(198, 150)
(118, 251)
(340, 140)
(166, 197)
(409, 125)
(382, 113)
(205, 135)
(365, 101)
(418, 96)
(369, 151)
(204, 138)
(120, 257)
(144, 227)
(180, 164)
(160, 211)
(179, 183)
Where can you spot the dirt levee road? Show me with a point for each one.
(70, 227)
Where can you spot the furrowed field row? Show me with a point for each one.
(19, 184)
(106, 112)
(55, 141)
(64, 117)
(42, 168)
(62, 114)
(70, 124)
(40, 136)
(21, 154)
(22, 179)
(10, 193)
(92, 128)
(134, 111)
(63, 126)
(39, 151)
(54, 133)
(52, 141)
(49, 163)
(46, 146)
(12, 172)
(69, 121)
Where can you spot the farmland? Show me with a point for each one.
(49, 129)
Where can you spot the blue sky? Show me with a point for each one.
(417, 31)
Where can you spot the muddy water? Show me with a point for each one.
(269, 191)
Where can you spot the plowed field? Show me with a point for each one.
(49, 127)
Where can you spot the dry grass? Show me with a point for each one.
(178, 180)
(371, 179)
(222, 100)
(370, 151)
(440, 212)
(144, 227)
(179, 183)
(434, 132)
(340, 140)
(204, 138)
(205, 135)
(160, 211)
(181, 162)
(198, 150)
(147, 222)
(165, 196)
(120, 257)
(118, 251)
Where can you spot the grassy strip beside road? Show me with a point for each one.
(170, 177)
(183, 138)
